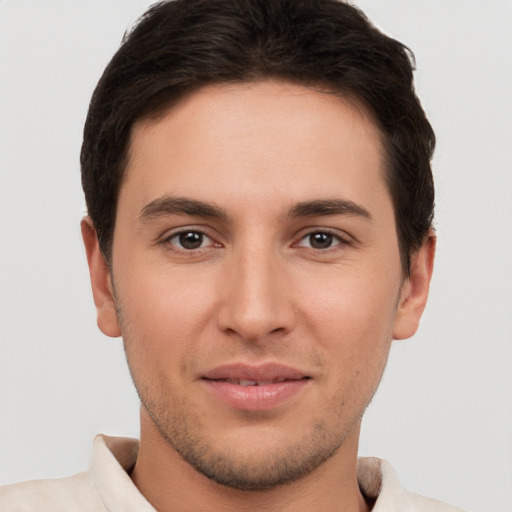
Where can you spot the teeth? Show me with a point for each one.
(244, 382)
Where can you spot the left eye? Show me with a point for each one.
(190, 240)
(320, 240)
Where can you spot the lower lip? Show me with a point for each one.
(255, 398)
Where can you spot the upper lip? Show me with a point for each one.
(269, 372)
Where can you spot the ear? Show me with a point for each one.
(414, 294)
(101, 282)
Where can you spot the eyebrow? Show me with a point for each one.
(324, 207)
(168, 205)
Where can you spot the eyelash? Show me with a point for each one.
(340, 238)
(336, 239)
(168, 240)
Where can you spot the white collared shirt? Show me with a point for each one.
(106, 486)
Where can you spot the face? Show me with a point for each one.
(256, 278)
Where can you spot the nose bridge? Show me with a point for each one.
(256, 301)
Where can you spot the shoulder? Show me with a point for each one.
(77, 492)
(106, 485)
(380, 484)
(424, 504)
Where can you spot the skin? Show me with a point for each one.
(276, 277)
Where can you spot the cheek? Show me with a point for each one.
(352, 320)
(356, 339)
(162, 315)
(163, 297)
(350, 307)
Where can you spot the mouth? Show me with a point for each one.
(251, 382)
(253, 388)
(244, 382)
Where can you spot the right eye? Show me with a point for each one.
(319, 240)
(190, 240)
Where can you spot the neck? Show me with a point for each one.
(171, 485)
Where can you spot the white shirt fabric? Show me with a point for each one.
(106, 486)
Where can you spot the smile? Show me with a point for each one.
(259, 388)
(244, 382)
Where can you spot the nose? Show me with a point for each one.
(257, 302)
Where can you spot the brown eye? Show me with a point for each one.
(189, 240)
(321, 240)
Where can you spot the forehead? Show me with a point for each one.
(251, 139)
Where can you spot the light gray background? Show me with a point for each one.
(443, 415)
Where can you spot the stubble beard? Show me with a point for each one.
(183, 432)
(262, 470)
(248, 472)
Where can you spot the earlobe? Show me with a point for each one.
(413, 297)
(100, 281)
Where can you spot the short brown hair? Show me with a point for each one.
(179, 46)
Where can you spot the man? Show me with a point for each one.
(260, 204)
